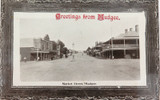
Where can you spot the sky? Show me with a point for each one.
(82, 32)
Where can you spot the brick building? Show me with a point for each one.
(38, 49)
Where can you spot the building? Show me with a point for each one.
(96, 51)
(125, 45)
(37, 49)
(26, 47)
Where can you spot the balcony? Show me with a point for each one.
(120, 46)
(124, 46)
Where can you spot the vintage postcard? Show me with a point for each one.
(79, 49)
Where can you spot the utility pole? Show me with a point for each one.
(112, 56)
(112, 48)
(73, 51)
(37, 55)
(59, 52)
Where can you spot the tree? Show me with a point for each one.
(54, 45)
(46, 37)
(65, 50)
(88, 48)
(60, 43)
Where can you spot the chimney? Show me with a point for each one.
(126, 30)
(131, 29)
(136, 28)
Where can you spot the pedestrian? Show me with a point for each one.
(112, 57)
(38, 59)
(66, 55)
(73, 56)
(25, 59)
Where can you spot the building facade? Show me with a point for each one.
(125, 45)
(38, 49)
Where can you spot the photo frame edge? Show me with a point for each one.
(4, 64)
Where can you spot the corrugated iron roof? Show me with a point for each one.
(128, 34)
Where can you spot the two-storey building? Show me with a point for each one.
(37, 49)
(125, 45)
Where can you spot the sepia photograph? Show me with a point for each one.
(79, 49)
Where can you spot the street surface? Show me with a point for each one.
(81, 68)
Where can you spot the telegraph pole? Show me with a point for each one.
(59, 52)
(37, 55)
(112, 47)
(73, 51)
(112, 56)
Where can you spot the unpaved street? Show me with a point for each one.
(82, 68)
